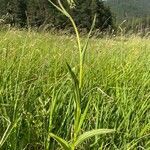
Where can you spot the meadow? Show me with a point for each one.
(37, 94)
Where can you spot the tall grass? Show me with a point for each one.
(36, 93)
(79, 114)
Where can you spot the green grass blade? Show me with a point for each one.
(92, 133)
(83, 116)
(88, 37)
(64, 144)
(8, 131)
(77, 107)
(73, 76)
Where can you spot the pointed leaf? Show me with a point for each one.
(92, 133)
(77, 99)
(83, 116)
(8, 131)
(61, 141)
(73, 76)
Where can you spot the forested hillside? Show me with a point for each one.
(130, 8)
(36, 13)
(41, 14)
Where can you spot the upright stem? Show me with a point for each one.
(78, 42)
(77, 108)
(80, 52)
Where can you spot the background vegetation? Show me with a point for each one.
(130, 9)
(131, 15)
(136, 14)
(35, 13)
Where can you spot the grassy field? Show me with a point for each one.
(37, 96)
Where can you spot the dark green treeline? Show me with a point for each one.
(37, 13)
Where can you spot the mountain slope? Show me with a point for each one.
(129, 8)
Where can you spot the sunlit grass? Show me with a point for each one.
(33, 75)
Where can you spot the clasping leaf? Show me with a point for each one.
(92, 133)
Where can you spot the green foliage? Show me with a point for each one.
(61, 141)
(132, 15)
(6, 134)
(22, 12)
(85, 11)
(78, 88)
(35, 77)
(90, 134)
(38, 100)
(35, 13)
(129, 9)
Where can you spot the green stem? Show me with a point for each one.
(78, 42)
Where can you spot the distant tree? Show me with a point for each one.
(22, 12)
(7, 12)
(60, 20)
(82, 13)
(3, 6)
(105, 19)
(36, 13)
(128, 9)
(86, 9)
